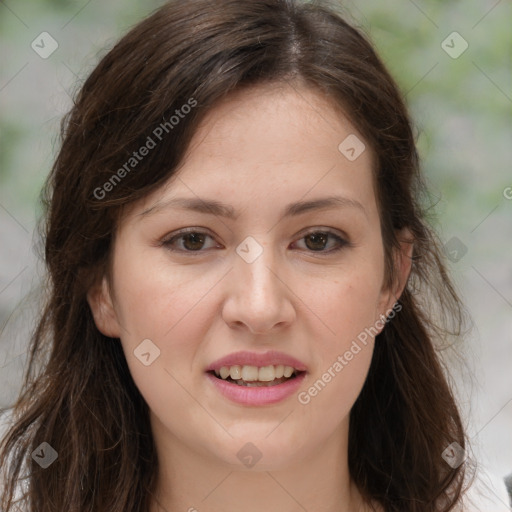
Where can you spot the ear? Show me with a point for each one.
(102, 308)
(402, 259)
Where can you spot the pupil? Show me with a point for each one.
(197, 237)
(315, 237)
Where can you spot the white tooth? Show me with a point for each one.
(224, 372)
(217, 373)
(288, 370)
(235, 372)
(279, 369)
(266, 373)
(250, 373)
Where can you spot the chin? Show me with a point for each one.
(260, 449)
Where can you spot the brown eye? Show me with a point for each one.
(191, 241)
(317, 241)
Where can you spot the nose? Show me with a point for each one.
(258, 296)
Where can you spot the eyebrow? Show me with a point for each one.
(217, 208)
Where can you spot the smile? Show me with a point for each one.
(253, 376)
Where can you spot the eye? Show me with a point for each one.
(316, 241)
(193, 240)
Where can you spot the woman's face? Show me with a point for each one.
(286, 267)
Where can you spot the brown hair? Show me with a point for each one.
(82, 400)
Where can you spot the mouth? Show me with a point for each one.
(254, 376)
(257, 379)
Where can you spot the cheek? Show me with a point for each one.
(157, 299)
(348, 302)
(162, 307)
(348, 308)
(168, 306)
(326, 401)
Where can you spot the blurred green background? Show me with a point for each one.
(462, 108)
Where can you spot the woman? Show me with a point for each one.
(245, 299)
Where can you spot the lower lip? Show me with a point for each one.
(263, 395)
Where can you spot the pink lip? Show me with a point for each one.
(256, 359)
(257, 395)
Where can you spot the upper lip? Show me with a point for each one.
(257, 359)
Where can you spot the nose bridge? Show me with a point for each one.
(254, 268)
(257, 297)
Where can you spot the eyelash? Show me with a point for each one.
(167, 243)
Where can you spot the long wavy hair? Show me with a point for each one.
(78, 395)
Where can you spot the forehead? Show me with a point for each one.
(272, 143)
(273, 122)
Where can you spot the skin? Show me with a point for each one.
(257, 151)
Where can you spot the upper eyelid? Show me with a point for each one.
(306, 231)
